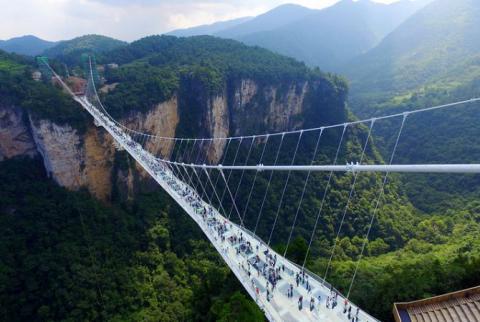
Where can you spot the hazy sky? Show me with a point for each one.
(125, 19)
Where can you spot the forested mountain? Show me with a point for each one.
(326, 38)
(331, 37)
(70, 50)
(208, 29)
(26, 45)
(438, 47)
(270, 20)
(115, 247)
(66, 256)
(431, 59)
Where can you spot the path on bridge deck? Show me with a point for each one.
(238, 247)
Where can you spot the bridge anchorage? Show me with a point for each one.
(284, 290)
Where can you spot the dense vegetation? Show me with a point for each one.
(442, 256)
(156, 67)
(67, 257)
(71, 50)
(42, 100)
(429, 60)
(434, 50)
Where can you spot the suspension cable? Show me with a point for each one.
(231, 196)
(255, 179)
(352, 189)
(243, 172)
(377, 203)
(432, 108)
(303, 191)
(284, 188)
(268, 184)
(224, 157)
(231, 171)
(325, 191)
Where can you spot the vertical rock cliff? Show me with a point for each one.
(15, 136)
(88, 159)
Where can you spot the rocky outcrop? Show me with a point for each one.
(285, 102)
(61, 151)
(98, 161)
(160, 121)
(76, 160)
(217, 122)
(15, 137)
(284, 108)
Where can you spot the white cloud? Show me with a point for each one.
(125, 19)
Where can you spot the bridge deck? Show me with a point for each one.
(254, 264)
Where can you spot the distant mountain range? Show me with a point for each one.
(26, 45)
(328, 38)
(71, 49)
(209, 29)
(33, 46)
(439, 45)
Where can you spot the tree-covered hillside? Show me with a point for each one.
(154, 68)
(70, 50)
(434, 50)
(429, 60)
(65, 256)
(26, 45)
(40, 99)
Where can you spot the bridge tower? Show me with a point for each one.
(86, 67)
(42, 62)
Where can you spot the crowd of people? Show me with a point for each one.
(267, 267)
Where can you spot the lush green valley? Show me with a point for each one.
(67, 256)
(429, 60)
(434, 52)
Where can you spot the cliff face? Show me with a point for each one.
(283, 102)
(76, 160)
(15, 137)
(162, 121)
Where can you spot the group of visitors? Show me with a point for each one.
(267, 268)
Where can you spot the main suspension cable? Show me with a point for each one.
(377, 203)
(350, 195)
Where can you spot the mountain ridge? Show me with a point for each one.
(316, 37)
(438, 46)
(29, 45)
